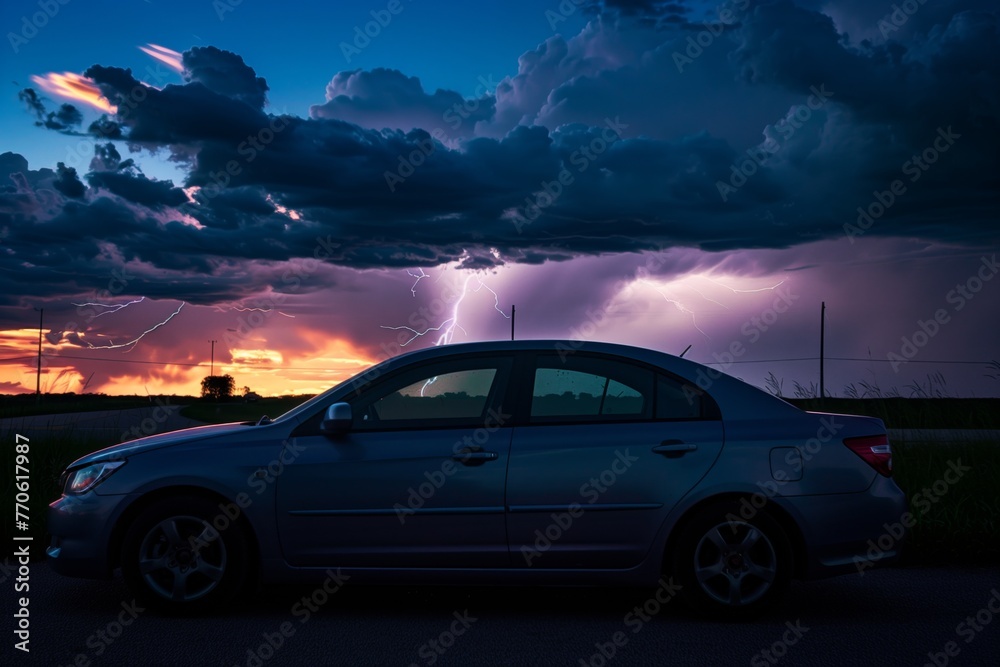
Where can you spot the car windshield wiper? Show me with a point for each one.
(264, 421)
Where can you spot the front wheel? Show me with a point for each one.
(731, 567)
(174, 559)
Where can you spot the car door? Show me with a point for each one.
(418, 481)
(608, 448)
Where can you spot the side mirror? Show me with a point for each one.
(337, 420)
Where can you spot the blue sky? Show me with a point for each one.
(295, 46)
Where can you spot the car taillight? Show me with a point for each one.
(875, 450)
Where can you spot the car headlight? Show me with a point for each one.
(86, 478)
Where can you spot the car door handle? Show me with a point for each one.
(473, 457)
(674, 448)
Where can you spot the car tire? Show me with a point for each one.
(174, 560)
(732, 567)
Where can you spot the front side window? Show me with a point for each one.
(448, 396)
(453, 394)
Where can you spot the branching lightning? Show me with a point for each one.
(746, 291)
(419, 276)
(135, 341)
(241, 309)
(677, 304)
(446, 329)
(111, 307)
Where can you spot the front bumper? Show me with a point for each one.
(81, 530)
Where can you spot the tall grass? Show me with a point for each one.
(962, 524)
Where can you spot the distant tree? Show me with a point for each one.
(218, 386)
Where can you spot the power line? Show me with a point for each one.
(881, 361)
(177, 363)
(302, 368)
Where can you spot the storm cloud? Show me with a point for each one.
(780, 130)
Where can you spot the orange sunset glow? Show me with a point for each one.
(269, 372)
(75, 87)
(169, 57)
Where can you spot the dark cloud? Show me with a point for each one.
(105, 128)
(225, 73)
(32, 102)
(68, 183)
(64, 119)
(600, 144)
(387, 98)
(138, 189)
(106, 157)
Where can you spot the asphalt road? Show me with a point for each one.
(886, 617)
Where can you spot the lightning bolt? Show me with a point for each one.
(677, 304)
(112, 308)
(702, 295)
(241, 309)
(419, 276)
(746, 291)
(135, 341)
(446, 329)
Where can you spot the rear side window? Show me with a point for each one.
(677, 399)
(590, 390)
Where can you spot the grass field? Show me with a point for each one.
(52, 404)
(238, 411)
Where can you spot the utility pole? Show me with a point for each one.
(212, 371)
(822, 346)
(512, 315)
(38, 375)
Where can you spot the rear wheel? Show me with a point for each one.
(732, 567)
(174, 560)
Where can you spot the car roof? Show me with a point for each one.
(736, 398)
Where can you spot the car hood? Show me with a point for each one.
(132, 447)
